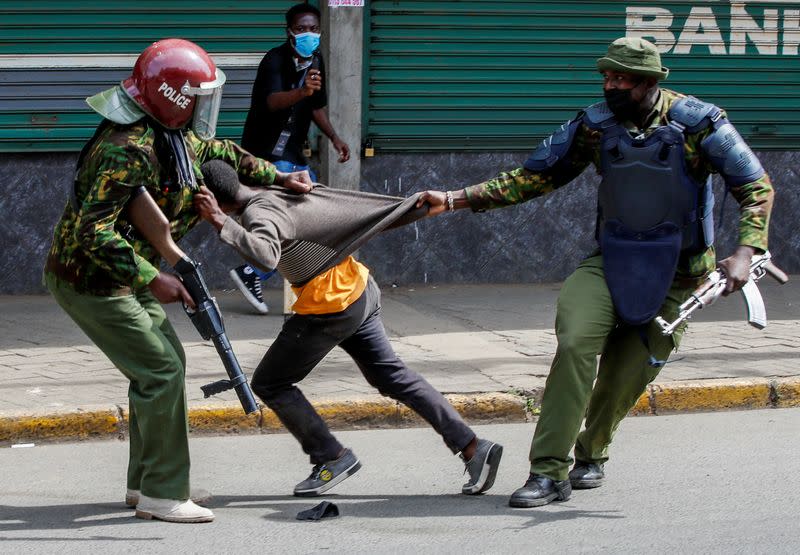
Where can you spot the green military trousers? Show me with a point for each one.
(587, 326)
(134, 332)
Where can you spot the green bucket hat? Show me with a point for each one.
(633, 55)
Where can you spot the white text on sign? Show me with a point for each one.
(772, 27)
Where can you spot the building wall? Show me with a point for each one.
(55, 54)
(481, 76)
(540, 241)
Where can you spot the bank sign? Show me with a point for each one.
(723, 28)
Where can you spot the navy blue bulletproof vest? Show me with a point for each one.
(650, 211)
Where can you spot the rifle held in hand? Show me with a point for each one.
(207, 318)
(714, 286)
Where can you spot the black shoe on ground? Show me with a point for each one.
(586, 475)
(249, 284)
(482, 467)
(540, 490)
(324, 476)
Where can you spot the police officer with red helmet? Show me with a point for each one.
(158, 128)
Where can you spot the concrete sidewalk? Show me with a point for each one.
(488, 347)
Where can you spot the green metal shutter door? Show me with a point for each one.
(500, 75)
(53, 54)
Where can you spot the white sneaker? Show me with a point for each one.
(171, 510)
(198, 495)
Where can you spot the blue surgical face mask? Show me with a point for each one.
(306, 43)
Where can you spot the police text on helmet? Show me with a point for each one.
(173, 95)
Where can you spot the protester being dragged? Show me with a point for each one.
(311, 240)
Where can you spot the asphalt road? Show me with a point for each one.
(702, 483)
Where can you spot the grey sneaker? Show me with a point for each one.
(324, 476)
(482, 467)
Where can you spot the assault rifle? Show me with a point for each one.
(714, 286)
(207, 318)
(147, 218)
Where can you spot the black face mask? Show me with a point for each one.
(622, 104)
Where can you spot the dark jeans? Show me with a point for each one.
(303, 343)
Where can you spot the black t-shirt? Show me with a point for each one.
(277, 73)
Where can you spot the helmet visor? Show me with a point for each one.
(206, 109)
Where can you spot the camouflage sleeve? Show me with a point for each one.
(511, 187)
(521, 184)
(121, 170)
(755, 205)
(251, 169)
(188, 217)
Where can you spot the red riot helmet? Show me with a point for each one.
(175, 81)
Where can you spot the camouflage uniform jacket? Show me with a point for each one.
(520, 185)
(95, 250)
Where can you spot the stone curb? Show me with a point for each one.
(379, 412)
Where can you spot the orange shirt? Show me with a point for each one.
(333, 290)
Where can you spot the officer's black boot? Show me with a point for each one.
(540, 490)
(585, 475)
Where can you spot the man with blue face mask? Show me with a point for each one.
(288, 94)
